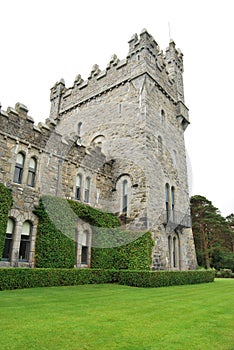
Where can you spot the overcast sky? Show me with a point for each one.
(44, 41)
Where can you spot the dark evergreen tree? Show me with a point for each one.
(213, 235)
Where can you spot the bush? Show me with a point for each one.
(164, 278)
(224, 273)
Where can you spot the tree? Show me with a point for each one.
(230, 221)
(212, 234)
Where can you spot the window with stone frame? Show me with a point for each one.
(87, 189)
(174, 252)
(162, 115)
(6, 255)
(125, 197)
(25, 241)
(19, 168)
(173, 202)
(160, 145)
(32, 172)
(78, 187)
(167, 187)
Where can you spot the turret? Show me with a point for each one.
(55, 98)
(174, 65)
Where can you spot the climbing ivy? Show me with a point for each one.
(55, 245)
(5, 205)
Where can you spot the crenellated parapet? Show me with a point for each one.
(144, 57)
(16, 123)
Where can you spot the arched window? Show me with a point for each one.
(25, 241)
(160, 145)
(19, 168)
(6, 255)
(32, 172)
(167, 201)
(125, 197)
(87, 189)
(78, 186)
(173, 202)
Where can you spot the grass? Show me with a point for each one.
(99, 317)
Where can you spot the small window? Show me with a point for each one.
(125, 197)
(174, 158)
(174, 252)
(6, 255)
(84, 255)
(173, 202)
(169, 249)
(87, 189)
(167, 201)
(78, 187)
(19, 167)
(25, 241)
(160, 145)
(162, 117)
(32, 172)
(79, 129)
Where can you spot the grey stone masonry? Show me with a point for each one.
(116, 142)
(135, 111)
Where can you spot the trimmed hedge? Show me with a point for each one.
(5, 205)
(154, 279)
(16, 278)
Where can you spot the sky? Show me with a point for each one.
(44, 41)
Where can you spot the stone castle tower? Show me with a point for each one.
(114, 141)
(134, 111)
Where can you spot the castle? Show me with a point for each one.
(114, 141)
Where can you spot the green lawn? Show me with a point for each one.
(119, 317)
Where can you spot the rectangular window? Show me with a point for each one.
(84, 255)
(31, 178)
(78, 193)
(6, 255)
(125, 197)
(87, 189)
(18, 174)
(24, 248)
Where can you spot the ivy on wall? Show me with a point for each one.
(5, 205)
(54, 249)
(136, 255)
(55, 245)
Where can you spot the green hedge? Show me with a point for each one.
(16, 278)
(5, 206)
(164, 278)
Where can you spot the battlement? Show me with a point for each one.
(144, 57)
